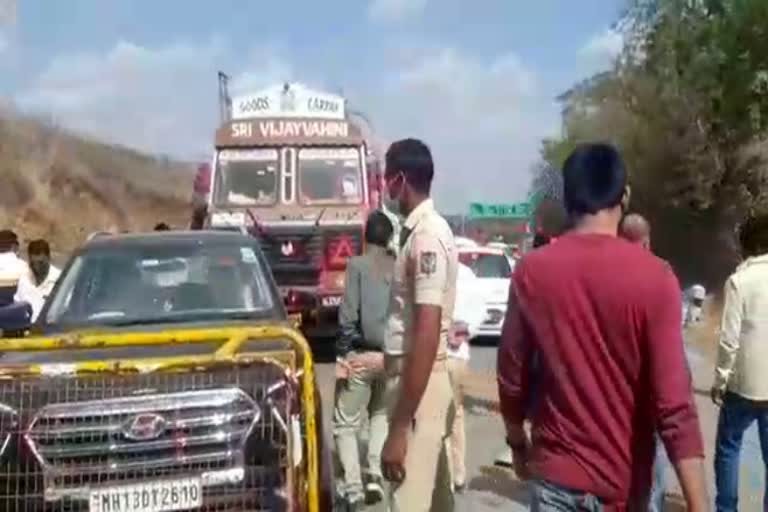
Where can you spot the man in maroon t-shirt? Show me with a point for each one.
(603, 317)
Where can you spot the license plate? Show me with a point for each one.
(165, 496)
(494, 316)
(334, 300)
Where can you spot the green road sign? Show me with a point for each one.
(519, 211)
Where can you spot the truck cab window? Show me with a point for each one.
(247, 177)
(330, 176)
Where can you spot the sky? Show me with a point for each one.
(476, 80)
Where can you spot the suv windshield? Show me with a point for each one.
(134, 285)
(486, 265)
(247, 177)
(329, 176)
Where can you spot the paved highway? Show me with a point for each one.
(492, 488)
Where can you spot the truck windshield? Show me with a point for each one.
(247, 177)
(329, 176)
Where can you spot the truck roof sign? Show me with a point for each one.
(290, 100)
(301, 132)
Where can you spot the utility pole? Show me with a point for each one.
(225, 102)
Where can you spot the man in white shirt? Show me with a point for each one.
(693, 304)
(741, 380)
(15, 283)
(468, 315)
(43, 274)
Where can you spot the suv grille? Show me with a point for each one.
(152, 432)
(72, 435)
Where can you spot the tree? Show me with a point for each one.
(547, 198)
(687, 104)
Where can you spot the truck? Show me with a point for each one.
(296, 168)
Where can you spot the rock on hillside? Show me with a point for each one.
(63, 187)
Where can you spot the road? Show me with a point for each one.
(491, 488)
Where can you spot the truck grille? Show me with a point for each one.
(78, 434)
(302, 266)
(306, 244)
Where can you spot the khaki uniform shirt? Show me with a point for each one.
(743, 348)
(425, 273)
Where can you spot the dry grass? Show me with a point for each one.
(62, 187)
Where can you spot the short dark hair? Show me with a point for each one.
(378, 229)
(594, 179)
(753, 236)
(162, 226)
(414, 159)
(39, 247)
(8, 239)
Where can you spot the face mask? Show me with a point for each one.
(392, 204)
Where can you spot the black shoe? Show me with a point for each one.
(374, 490)
(459, 488)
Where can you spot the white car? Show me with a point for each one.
(464, 242)
(493, 269)
(469, 308)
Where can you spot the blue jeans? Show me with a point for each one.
(659, 486)
(736, 415)
(549, 497)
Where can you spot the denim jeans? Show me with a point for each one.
(658, 487)
(736, 415)
(549, 497)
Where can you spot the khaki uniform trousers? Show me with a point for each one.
(427, 485)
(457, 440)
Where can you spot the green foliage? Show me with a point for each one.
(687, 104)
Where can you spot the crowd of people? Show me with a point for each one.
(594, 383)
(24, 284)
(595, 320)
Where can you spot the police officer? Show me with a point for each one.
(418, 387)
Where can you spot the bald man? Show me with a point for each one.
(635, 228)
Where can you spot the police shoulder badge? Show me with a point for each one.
(427, 262)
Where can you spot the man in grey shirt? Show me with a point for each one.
(360, 376)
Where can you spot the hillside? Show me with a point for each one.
(62, 187)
